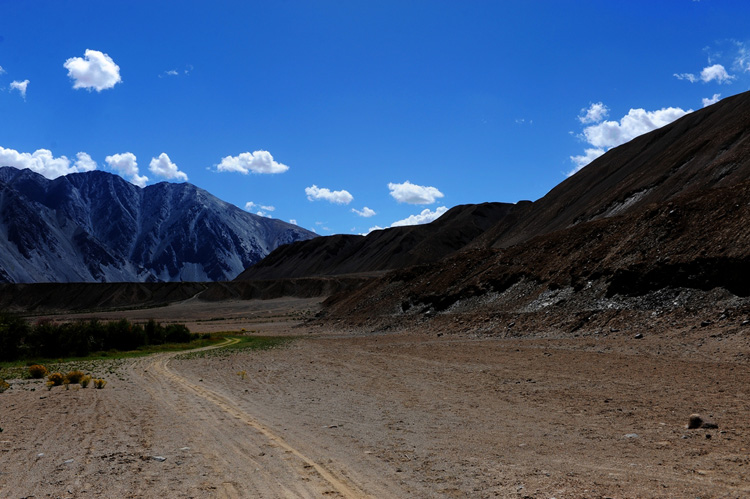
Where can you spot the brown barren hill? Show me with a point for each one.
(657, 225)
(382, 250)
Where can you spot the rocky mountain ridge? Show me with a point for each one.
(97, 227)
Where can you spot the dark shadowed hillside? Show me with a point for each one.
(382, 249)
(656, 226)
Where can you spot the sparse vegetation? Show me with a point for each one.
(4, 385)
(56, 379)
(99, 383)
(75, 376)
(85, 381)
(242, 374)
(244, 343)
(38, 371)
(50, 340)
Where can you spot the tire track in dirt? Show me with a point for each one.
(302, 477)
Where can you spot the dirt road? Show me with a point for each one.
(391, 415)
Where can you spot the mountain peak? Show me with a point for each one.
(95, 226)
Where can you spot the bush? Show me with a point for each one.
(85, 381)
(75, 376)
(38, 371)
(99, 383)
(3, 385)
(56, 379)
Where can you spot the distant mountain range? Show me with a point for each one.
(97, 227)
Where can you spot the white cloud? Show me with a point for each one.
(2, 71)
(587, 157)
(293, 221)
(686, 76)
(43, 162)
(125, 164)
(742, 59)
(716, 72)
(365, 212)
(712, 100)
(255, 162)
(315, 193)
(261, 209)
(20, 86)
(424, 217)
(84, 163)
(95, 71)
(377, 227)
(414, 194)
(594, 114)
(608, 134)
(163, 167)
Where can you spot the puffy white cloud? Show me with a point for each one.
(2, 71)
(163, 167)
(365, 212)
(608, 134)
(315, 193)
(716, 72)
(594, 114)
(20, 86)
(424, 217)
(43, 162)
(126, 165)
(255, 162)
(95, 71)
(414, 194)
(712, 100)
(84, 163)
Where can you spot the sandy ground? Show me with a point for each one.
(385, 415)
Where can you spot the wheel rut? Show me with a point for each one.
(238, 439)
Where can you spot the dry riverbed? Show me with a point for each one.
(384, 415)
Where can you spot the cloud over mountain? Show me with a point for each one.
(315, 193)
(43, 162)
(251, 162)
(414, 194)
(126, 165)
(163, 167)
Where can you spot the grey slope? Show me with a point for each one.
(96, 227)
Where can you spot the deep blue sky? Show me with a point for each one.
(468, 101)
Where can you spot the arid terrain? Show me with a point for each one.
(335, 413)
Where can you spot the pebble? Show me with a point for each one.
(638, 336)
(161, 459)
(632, 435)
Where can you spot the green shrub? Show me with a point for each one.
(85, 381)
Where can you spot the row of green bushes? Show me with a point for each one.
(48, 339)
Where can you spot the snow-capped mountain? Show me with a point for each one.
(97, 227)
